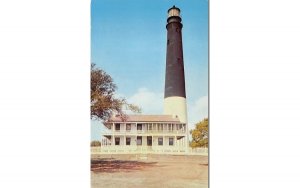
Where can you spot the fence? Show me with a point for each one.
(148, 150)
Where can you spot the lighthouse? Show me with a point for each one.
(175, 96)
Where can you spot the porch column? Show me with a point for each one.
(152, 141)
(174, 141)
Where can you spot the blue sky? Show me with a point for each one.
(128, 41)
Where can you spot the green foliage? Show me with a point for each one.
(200, 134)
(95, 143)
(103, 100)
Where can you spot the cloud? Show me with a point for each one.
(150, 102)
(197, 111)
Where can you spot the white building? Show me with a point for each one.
(145, 133)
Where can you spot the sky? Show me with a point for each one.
(128, 41)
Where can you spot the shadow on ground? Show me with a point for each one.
(205, 164)
(111, 166)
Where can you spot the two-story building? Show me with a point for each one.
(148, 133)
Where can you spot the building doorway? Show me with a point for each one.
(117, 141)
(149, 140)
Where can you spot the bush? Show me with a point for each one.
(95, 143)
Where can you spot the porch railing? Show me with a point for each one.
(108, 131)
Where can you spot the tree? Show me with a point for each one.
(95, 143)
(103, 100)
(200, 134)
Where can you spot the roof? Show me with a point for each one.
(173, 7)
(145, 118)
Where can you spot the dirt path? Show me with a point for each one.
(154, 171)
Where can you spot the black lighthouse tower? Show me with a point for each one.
(175, 96)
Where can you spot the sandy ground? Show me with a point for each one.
(151, 171)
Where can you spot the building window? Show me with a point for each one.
(139, 127)
(117, 141)
(160, 141)
(180, 127)
(117, 127)
(128, 141)
(139, 140)
(171, 141)
(128, 127)
(160, 127)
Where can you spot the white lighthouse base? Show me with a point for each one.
(176, 106)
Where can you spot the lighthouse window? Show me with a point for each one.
(177, 29)
(168, 41)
